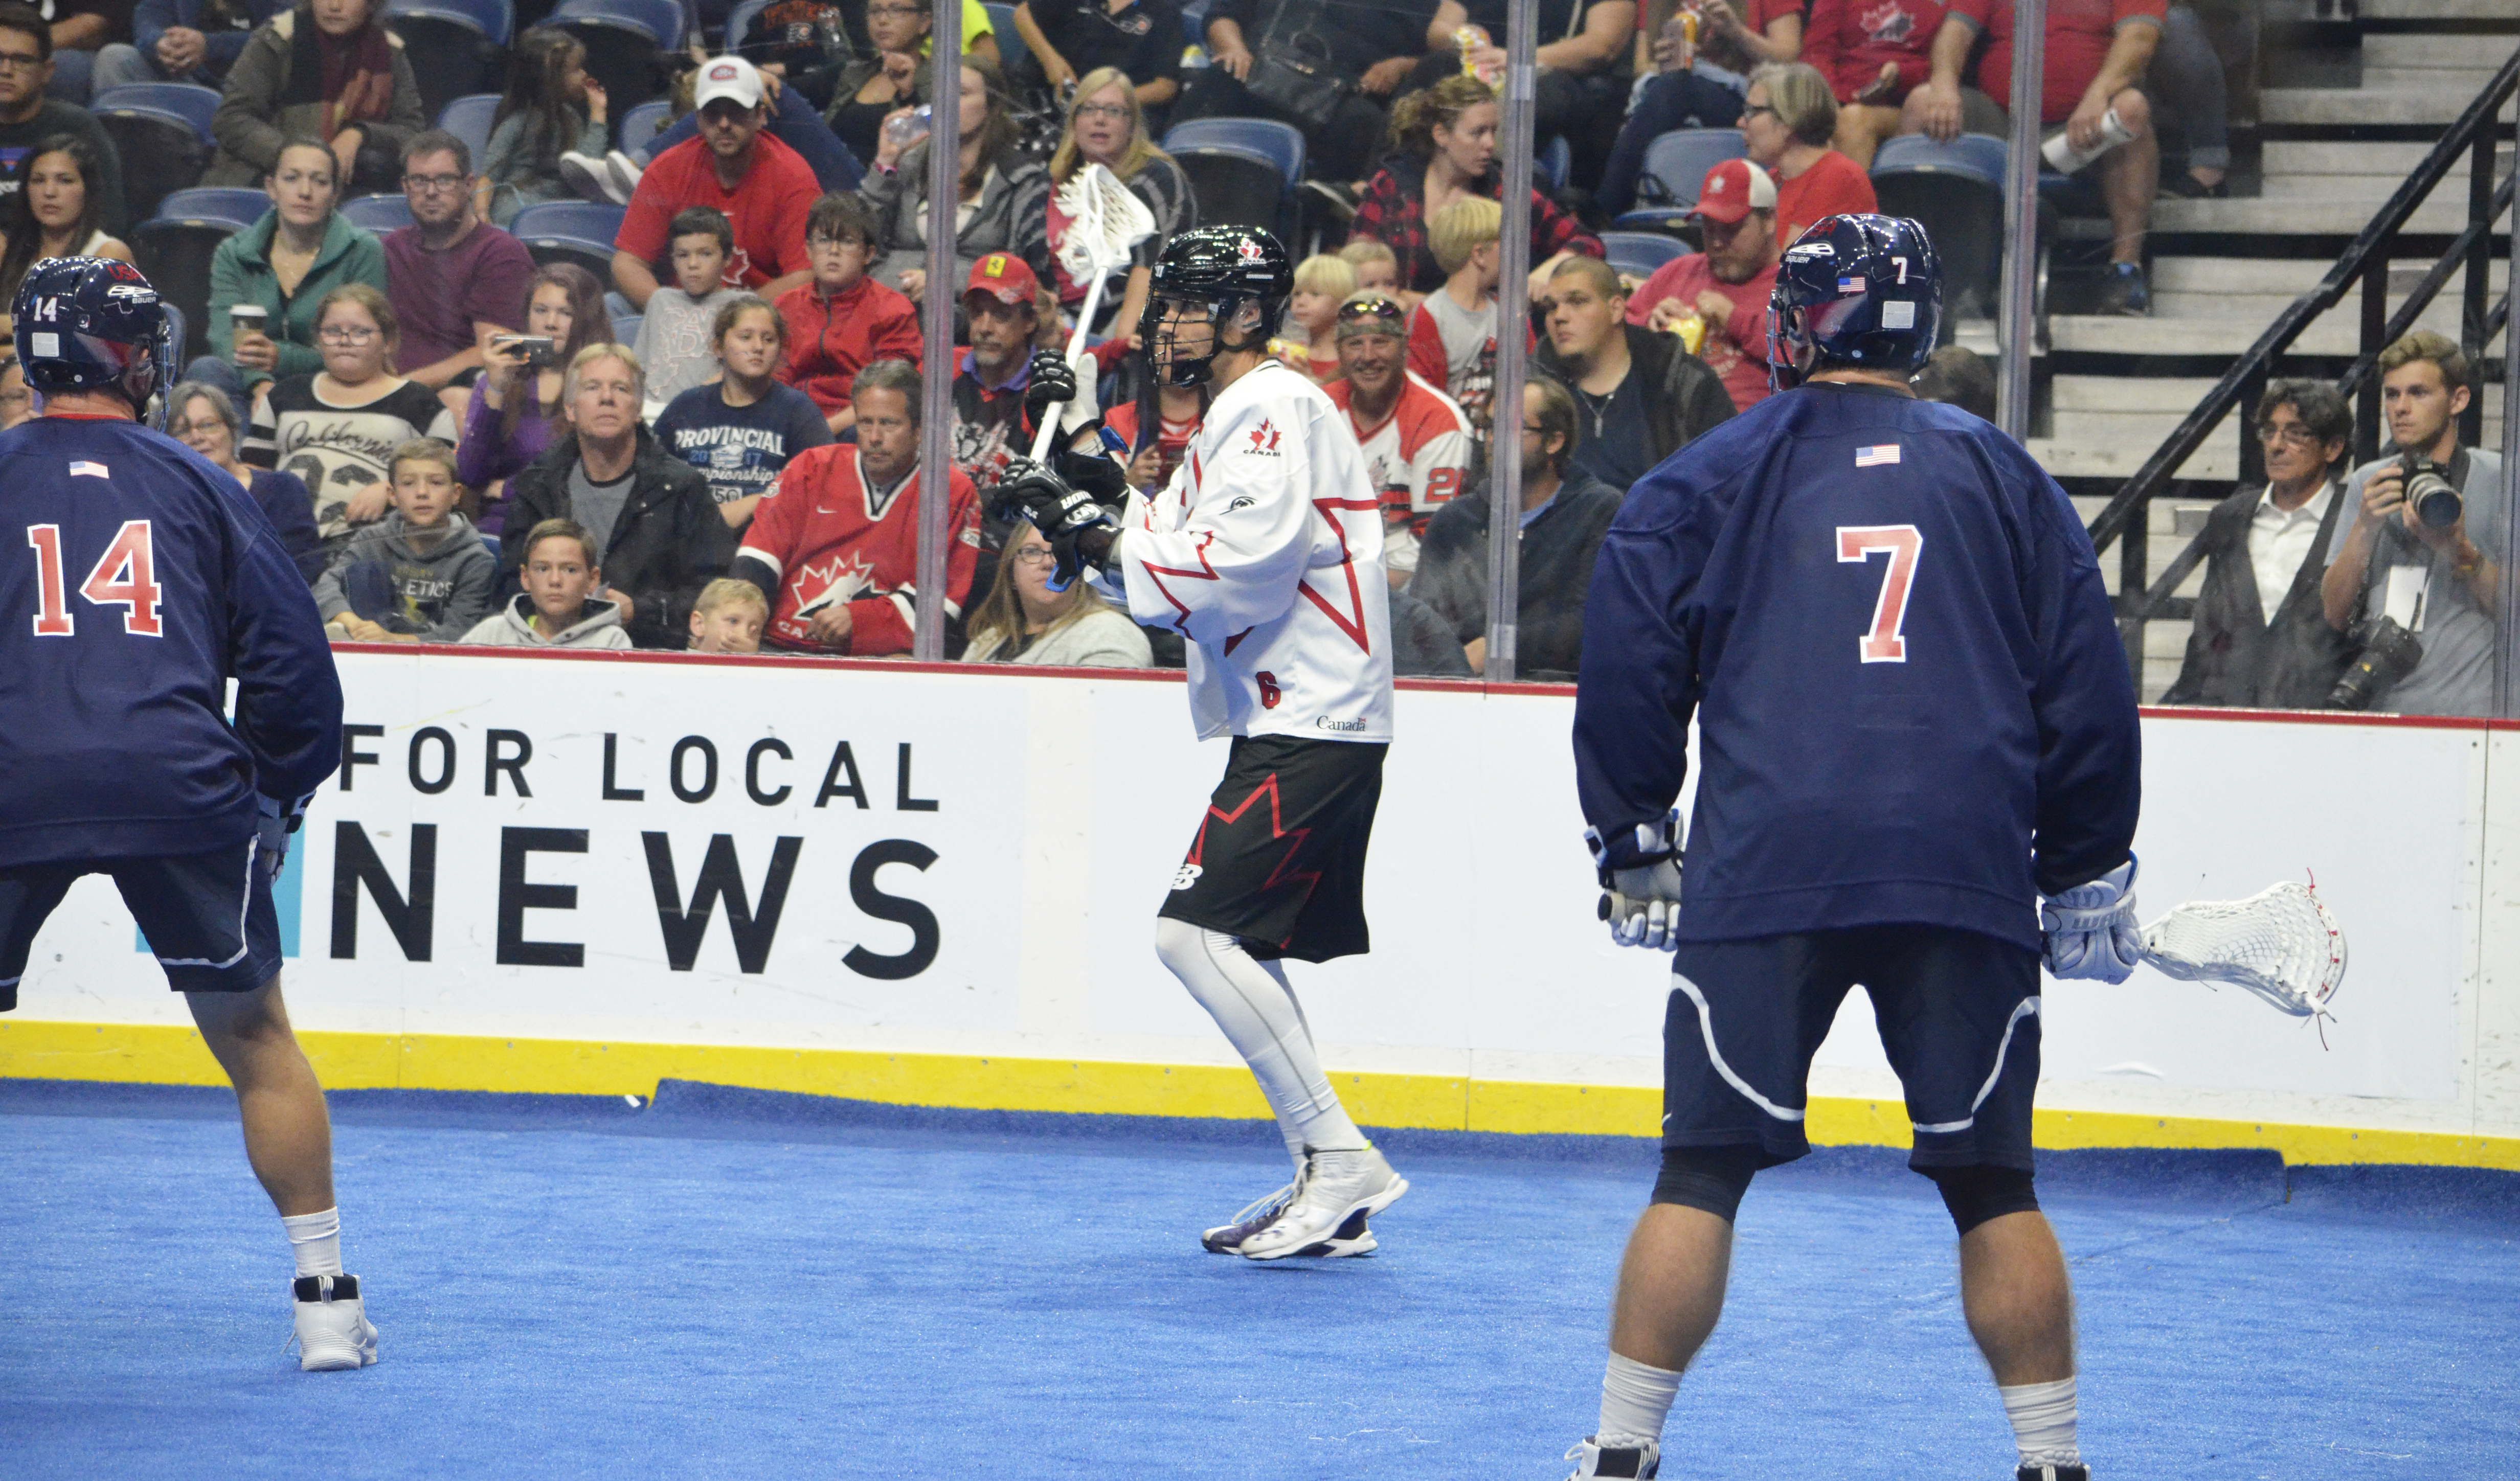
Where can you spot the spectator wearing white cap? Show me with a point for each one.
(764, 189)
(1725, 287)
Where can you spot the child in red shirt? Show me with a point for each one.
(843, 320)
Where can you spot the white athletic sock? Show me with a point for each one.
(1636, 1398)
(2043, 1421)
(315, 1240)
(1260, 1017)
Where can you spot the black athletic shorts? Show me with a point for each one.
(1957, 1013)
(209, 917)
(1279, 857)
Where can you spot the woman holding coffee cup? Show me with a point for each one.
(267, 279)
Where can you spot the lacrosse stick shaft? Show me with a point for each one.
(1047, 431)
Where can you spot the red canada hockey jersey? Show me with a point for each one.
(830, 538)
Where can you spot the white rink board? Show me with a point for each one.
(1062, 806)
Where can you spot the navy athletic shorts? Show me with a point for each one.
(1959, 1017)
(209, 917)
(1280, 857)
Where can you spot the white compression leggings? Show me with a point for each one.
(1258, 1011)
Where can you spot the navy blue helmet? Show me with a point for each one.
(1862, 291)
(92, 324)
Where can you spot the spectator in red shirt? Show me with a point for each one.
(1726, 285)
(843, 320)
(2096, 52)
(764, 187)
(1874, 53)
(834, 548)
(1448, 135)
(1786, 124)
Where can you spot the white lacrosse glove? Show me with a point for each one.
(1641, 900)
(277, 821)
(2090, 929)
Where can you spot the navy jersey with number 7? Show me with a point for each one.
(1912, 700)
(135, 579)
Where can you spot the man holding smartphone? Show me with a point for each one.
(2434, 578)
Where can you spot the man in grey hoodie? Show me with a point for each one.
(558, 607)
(423, 573)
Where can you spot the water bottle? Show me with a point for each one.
(907, 129)
(2067, 159)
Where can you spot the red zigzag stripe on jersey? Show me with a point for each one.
(1277, 829)
(1347, 566)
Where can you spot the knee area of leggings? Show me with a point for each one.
(1708, 1178)
(1179, 945)
(1975, 1195)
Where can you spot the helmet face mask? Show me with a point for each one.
(1184, 336)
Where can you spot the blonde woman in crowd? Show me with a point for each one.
(1023, 622)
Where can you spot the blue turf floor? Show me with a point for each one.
(703, 1288)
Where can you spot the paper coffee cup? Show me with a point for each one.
(247, 316)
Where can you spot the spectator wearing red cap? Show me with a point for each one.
(2095, 55)
(992, 423)
(1727, 286)
(764, 187)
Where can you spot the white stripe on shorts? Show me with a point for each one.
(2027, 1007)
(1706, 1025)
(252, 849)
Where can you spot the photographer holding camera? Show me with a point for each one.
(2409, 582)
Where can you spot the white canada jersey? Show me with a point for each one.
(1265, 552)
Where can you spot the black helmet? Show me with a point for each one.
(1223, 267)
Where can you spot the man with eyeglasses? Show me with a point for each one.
(764, 187)
(2260, 636)
(454, 279)
(28, 115)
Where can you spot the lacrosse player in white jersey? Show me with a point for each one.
(1265, 553)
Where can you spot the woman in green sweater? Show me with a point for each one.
(301, 250)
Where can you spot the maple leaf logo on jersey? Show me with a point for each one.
(1887, 24)
(1264, 439)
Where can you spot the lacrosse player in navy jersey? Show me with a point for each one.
(1914, 722)
(142, 580)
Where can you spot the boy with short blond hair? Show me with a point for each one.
(558, 607)
(728, 617)
(1375, 265)
(843, 321)
(421, 574)
(1322, 283)
(1451, 333)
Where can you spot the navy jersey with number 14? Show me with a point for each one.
(135, 579)
(1912, 703)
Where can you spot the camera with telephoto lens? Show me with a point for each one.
(2384, 654)
(2429, 490)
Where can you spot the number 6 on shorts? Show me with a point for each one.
(1885, 642)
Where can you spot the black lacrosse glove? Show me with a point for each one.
(1052, 383)
(1078, 527)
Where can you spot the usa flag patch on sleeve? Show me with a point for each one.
(1877, 457)
(86, 470)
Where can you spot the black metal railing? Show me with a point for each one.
(2366, 261)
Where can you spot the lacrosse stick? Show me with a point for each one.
(1104, 221)
(2280, 943)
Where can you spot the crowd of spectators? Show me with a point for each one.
(455, 445)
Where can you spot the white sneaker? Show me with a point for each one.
(1351, 1238)
(333, 1332)
(1335, 1185)
(621, 177)
(1638, 1461)
(583, 175)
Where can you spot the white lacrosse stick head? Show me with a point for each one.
(1106, 219)
(2280, 943)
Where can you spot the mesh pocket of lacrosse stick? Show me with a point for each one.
(2280, 943)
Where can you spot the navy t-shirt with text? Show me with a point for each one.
(740, 449)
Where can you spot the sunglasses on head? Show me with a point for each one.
(1358, 310)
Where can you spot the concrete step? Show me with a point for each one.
(2287, 277)
(2340, 211)
(2490, 12)
(2342, 107)
(2173, 394)
(2115, 445)
(2460, 82)
(2367, 193)
(2456, 54)
(2329, 156)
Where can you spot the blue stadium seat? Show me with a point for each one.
(1639, 252)
(196, 105)
(174, 248)
(454, 46)
(1279, 142)
(739, 21)
(162, 133)
(1955, 190)
(660, 21)
(570, 231)
(1554, 160)
(1002, 25)
(1235, 185)
(469, 118)
(1675, 168)
(625, 327)
(641, 125)
(378, 213)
